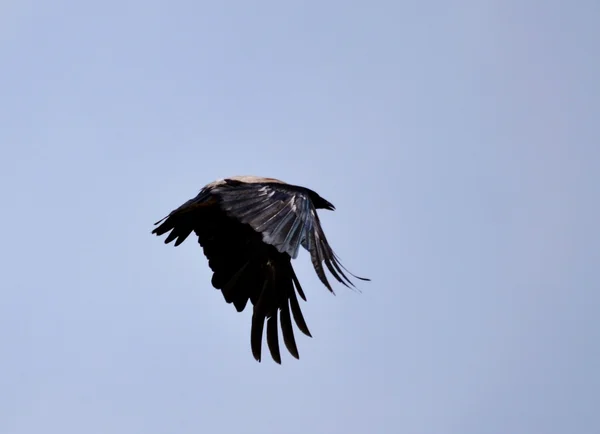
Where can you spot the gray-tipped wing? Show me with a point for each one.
(286, 218)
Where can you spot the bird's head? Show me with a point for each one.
(321, 203)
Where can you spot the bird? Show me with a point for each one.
(250, 229)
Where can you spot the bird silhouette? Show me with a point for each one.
(250, 229)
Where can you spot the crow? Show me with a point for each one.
(250, 229)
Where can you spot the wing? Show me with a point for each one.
(246, 269)
(286, 218)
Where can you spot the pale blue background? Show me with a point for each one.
(458, 141)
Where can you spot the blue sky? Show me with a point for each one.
(458, 141)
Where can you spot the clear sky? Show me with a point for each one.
(458, 140)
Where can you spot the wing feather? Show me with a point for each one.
(273, 338)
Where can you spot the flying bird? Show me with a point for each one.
(250, 229)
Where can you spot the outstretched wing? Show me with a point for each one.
(286, 218)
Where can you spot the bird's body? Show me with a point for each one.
(250, 229)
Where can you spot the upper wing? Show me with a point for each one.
(287, 219)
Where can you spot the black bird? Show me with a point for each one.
(250, 229)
